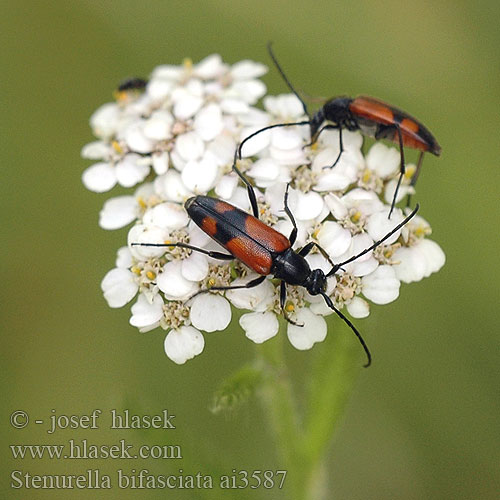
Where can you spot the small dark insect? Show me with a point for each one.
(133, 83)
(265, 250)
(371, 117)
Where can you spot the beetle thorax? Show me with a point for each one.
(337, 111)
(291, 267)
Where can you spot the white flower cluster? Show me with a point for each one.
(176, 138)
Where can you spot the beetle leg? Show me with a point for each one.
(282, 305)
(305, 250)
(328, 126)
(414, 179)
(341, 148)
(210, 253)
(401, 168)
(237, 156)
(316, 135)
(250, 189)
(250, 284)
(341, 143)
(293, 234)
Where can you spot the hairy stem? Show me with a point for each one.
(303, 440)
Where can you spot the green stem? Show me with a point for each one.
(303, 442)
(282, 411)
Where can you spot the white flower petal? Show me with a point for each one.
(256, 144)
(131, 170)
(173, 284)
(317, 261)
(158, 126)
(200, 176)
(210, 312)
(168, 72)
(118, 212)
(309, 205)
(105, 120)
(285, 106)
(234, 106)
(145, 313)
(334, 238)
(358, 308)
(378, 225)
(258, 298)
(412, 264)
(222, 149)
(336, 206)
(264, 170)
(320, 307)
(124, 258)
(434, 255)
(339, 177)
(248, 90)
(100, 177)
(195, 267)
(119, 287)
(210, 67)
(189, 146)
(187, 106)
(171, 187)
(208, 122)
(246, 70)
(314, 330)
(363, 265)
(255, 118)
(419, 261)
(159, 89)
(135, 138)
(367, 202)
(383, 160)
(167, 215)
(352, 141)
(286, 138)
(403, 191)
(141, 233)
(96, 150)
(288, 158)
(381, 286)
(259, 327)
(160, 162)
(225, 187)
(183, 344)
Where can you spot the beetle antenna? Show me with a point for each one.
(336, 267)
(329, 303)
(285, 78)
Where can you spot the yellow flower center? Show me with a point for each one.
(356, 216)
(117, 147)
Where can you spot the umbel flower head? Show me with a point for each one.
(174, 137)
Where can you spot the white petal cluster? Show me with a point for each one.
(176, 138)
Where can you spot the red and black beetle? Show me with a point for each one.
(372, 117)
(265, 250)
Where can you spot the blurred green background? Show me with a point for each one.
(423, 422)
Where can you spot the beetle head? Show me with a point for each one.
(316, 282)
